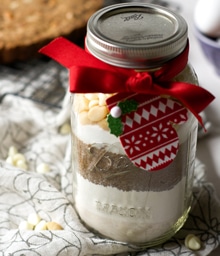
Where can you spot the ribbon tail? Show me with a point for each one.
(186, 93)
(69, 54)
(60, 50)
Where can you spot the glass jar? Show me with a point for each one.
(114, 195)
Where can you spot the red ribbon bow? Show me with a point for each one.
(90, 75)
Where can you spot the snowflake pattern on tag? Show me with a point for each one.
(149, 137)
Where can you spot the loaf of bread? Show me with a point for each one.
(27, 25)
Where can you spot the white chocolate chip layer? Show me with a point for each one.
(92, 108)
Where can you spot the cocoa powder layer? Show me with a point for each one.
(103, 167)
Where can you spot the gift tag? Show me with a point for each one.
(147, 131)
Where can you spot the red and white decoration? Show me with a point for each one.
(149, 138)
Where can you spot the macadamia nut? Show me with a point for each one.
(53, 226)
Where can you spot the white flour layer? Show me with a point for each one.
(131, 216)
(94, 134)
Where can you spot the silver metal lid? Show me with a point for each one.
(136, 35)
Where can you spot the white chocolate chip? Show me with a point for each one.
(12, 151)
(42, 225)
(18, 157)
(93, 103)
(34, 219)
(81, 103)
(97, 113)
(83, 118)
(65, 129)
(21, 164)
(193, 242)
(91, 96)
(43, 168)
(189, 236)
(102, 99)
(25, 225)
(10, 160)
(103, 123)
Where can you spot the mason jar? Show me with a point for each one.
(133, 152)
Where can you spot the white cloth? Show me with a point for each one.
(33, 128)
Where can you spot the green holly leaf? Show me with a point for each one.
(128, 106)
(115, 125)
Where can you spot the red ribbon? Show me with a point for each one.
(90, 75)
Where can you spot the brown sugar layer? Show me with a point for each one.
(27, 25)
(101, 166)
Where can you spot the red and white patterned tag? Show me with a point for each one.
(149, 138)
